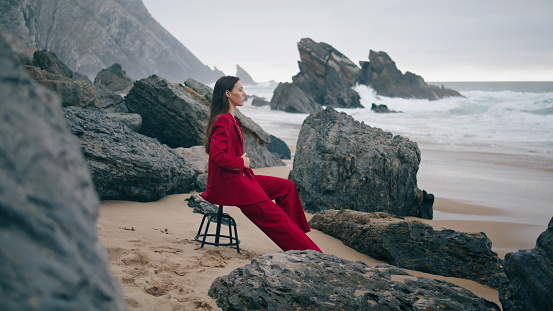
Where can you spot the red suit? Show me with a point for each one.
(230, 183)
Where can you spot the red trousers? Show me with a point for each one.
(283, 222)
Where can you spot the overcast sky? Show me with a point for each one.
(440, 40)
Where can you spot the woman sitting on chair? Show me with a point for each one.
(231, 181)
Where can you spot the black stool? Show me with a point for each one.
(232, 240)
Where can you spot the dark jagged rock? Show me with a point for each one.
(530, 274)
(201, 183)
(78, 93)
(279, 147)
(169, 112)
(50, 254)
(309, 280)
(109, 101)
(91, 35)
(49, 62)
(201, 206)
(245, 77)
(131, 120)
(258, 101)
(414, 245)
(290, 98)
(115, 79)
(124, 164)
(327, 75)
(381, 73)
(344, 164)
(381, 109)
(256, 139)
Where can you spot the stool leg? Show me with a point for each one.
(219, 219)
(235, 234)
(206, 231)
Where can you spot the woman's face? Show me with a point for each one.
(237, 95)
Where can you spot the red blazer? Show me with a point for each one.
(228, 182)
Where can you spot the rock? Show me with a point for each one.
(169, 112)
(414, 245)
(131, 120)
(326, 75)
(49, 62)
(115, 79)
(50, 254)
(72, 92)
(309, 280)
(200, 88)
(94, 35)
(381, 109)
(195, 157)
(108, 101)
(341, 163)
(258, 101)
(381, 73)
(201, 183)
(530, 274)
(245, 77)
(279, 147)
(290, 98)
(126, 165)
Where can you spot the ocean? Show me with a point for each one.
(508, 124)
(497, 117)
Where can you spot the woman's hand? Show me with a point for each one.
(246, 161)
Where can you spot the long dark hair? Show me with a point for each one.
(219, 104)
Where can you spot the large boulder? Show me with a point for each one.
(169, 112)
(126, 165)
(49, 62)
(530, 274)
(327, 75)
(414, 245)
(381, 73)
(50, 254)
(115, 79)
(290, 98)
(309, 280)
(341, 163)
(80, 93)
(244, 76)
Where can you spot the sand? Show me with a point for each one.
(153, 253)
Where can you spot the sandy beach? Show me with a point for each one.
(153, 253)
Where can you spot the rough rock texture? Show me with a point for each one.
(109, 101)
(290, 98)
(327, 75)
(309, 280)
(414, 245)
(196, 158)
(131, 120)
(169, 112)
(256, 139)
(49, 62)
(51, 258)
(244, 76)
(91, 35)
(279, 147)
(201, 206)
(124, 164)
(115, 79)
(344, 164)
(381, 73)
(78, 93)
(530, 274)
(258, 101)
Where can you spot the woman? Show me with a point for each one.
(231, 181)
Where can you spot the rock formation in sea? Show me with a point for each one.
(326, 76)
(309, 280)
(50, 254)
(290, 98)
(381, 108)
(245, 77)
(381, 74)
(115, 79)
(341, 163)
(126, 165)
(257, 101)
(91, 35)
(530, 274)
(414, 245)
